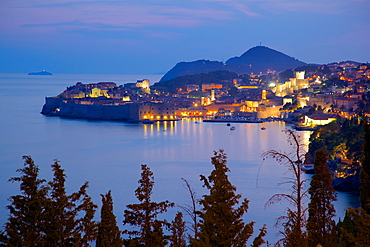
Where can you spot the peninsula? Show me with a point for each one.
(310, 95)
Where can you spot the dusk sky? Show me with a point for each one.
(145, 37)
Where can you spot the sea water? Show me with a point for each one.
(109, 154)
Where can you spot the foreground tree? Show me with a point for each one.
(44, 215)
(354, 231)
(109, 234)
(191, 211)
(144, 215)
(294, 222)
(320, 225)
(69, 217)
(221, 224)
(26, 223)
(177, 228)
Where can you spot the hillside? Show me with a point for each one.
(219, 77)
(260, 59)
(255, 60)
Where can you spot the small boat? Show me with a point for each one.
(263, 128)
(232, 128)
(308, 168)
(228, 124)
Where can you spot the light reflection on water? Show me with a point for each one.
(109, 154)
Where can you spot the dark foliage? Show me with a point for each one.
(294, 222)
(320, 224)
(221, 223)
(69, 217)
(44, 215)
(365, 171)
(109, 234)
(218, 77)
(177, 228)
(343, 131)
(354, 231)
(26, 223)
(144, 215)
(191, 211)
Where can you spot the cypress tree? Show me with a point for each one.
(109, 234)
(144, 215)
(177, 228)
(320, 224)
(26, 223)
(221, 224)
(69, 218)
(44, 215)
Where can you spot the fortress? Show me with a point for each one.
(108, 110)
(291, 86)
(106, 101)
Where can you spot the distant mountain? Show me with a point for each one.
(260, 59)
(255, 60)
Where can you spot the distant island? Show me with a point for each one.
(43, 72)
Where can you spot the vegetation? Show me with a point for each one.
(343, 135)
(45, 215)
(191, 211)
(320, 224)
(178, 229)
(221, 223)
(365, 172)
(293, 224)
(355, 229)
(144, 215)
(218, 77)
(27, 209)
(109, 234)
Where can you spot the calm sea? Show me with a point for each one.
(109, 154)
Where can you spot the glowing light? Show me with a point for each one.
(272, 84)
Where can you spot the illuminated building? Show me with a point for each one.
(319, 119)
(144, 84)
(291, 86)
(211, 86)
